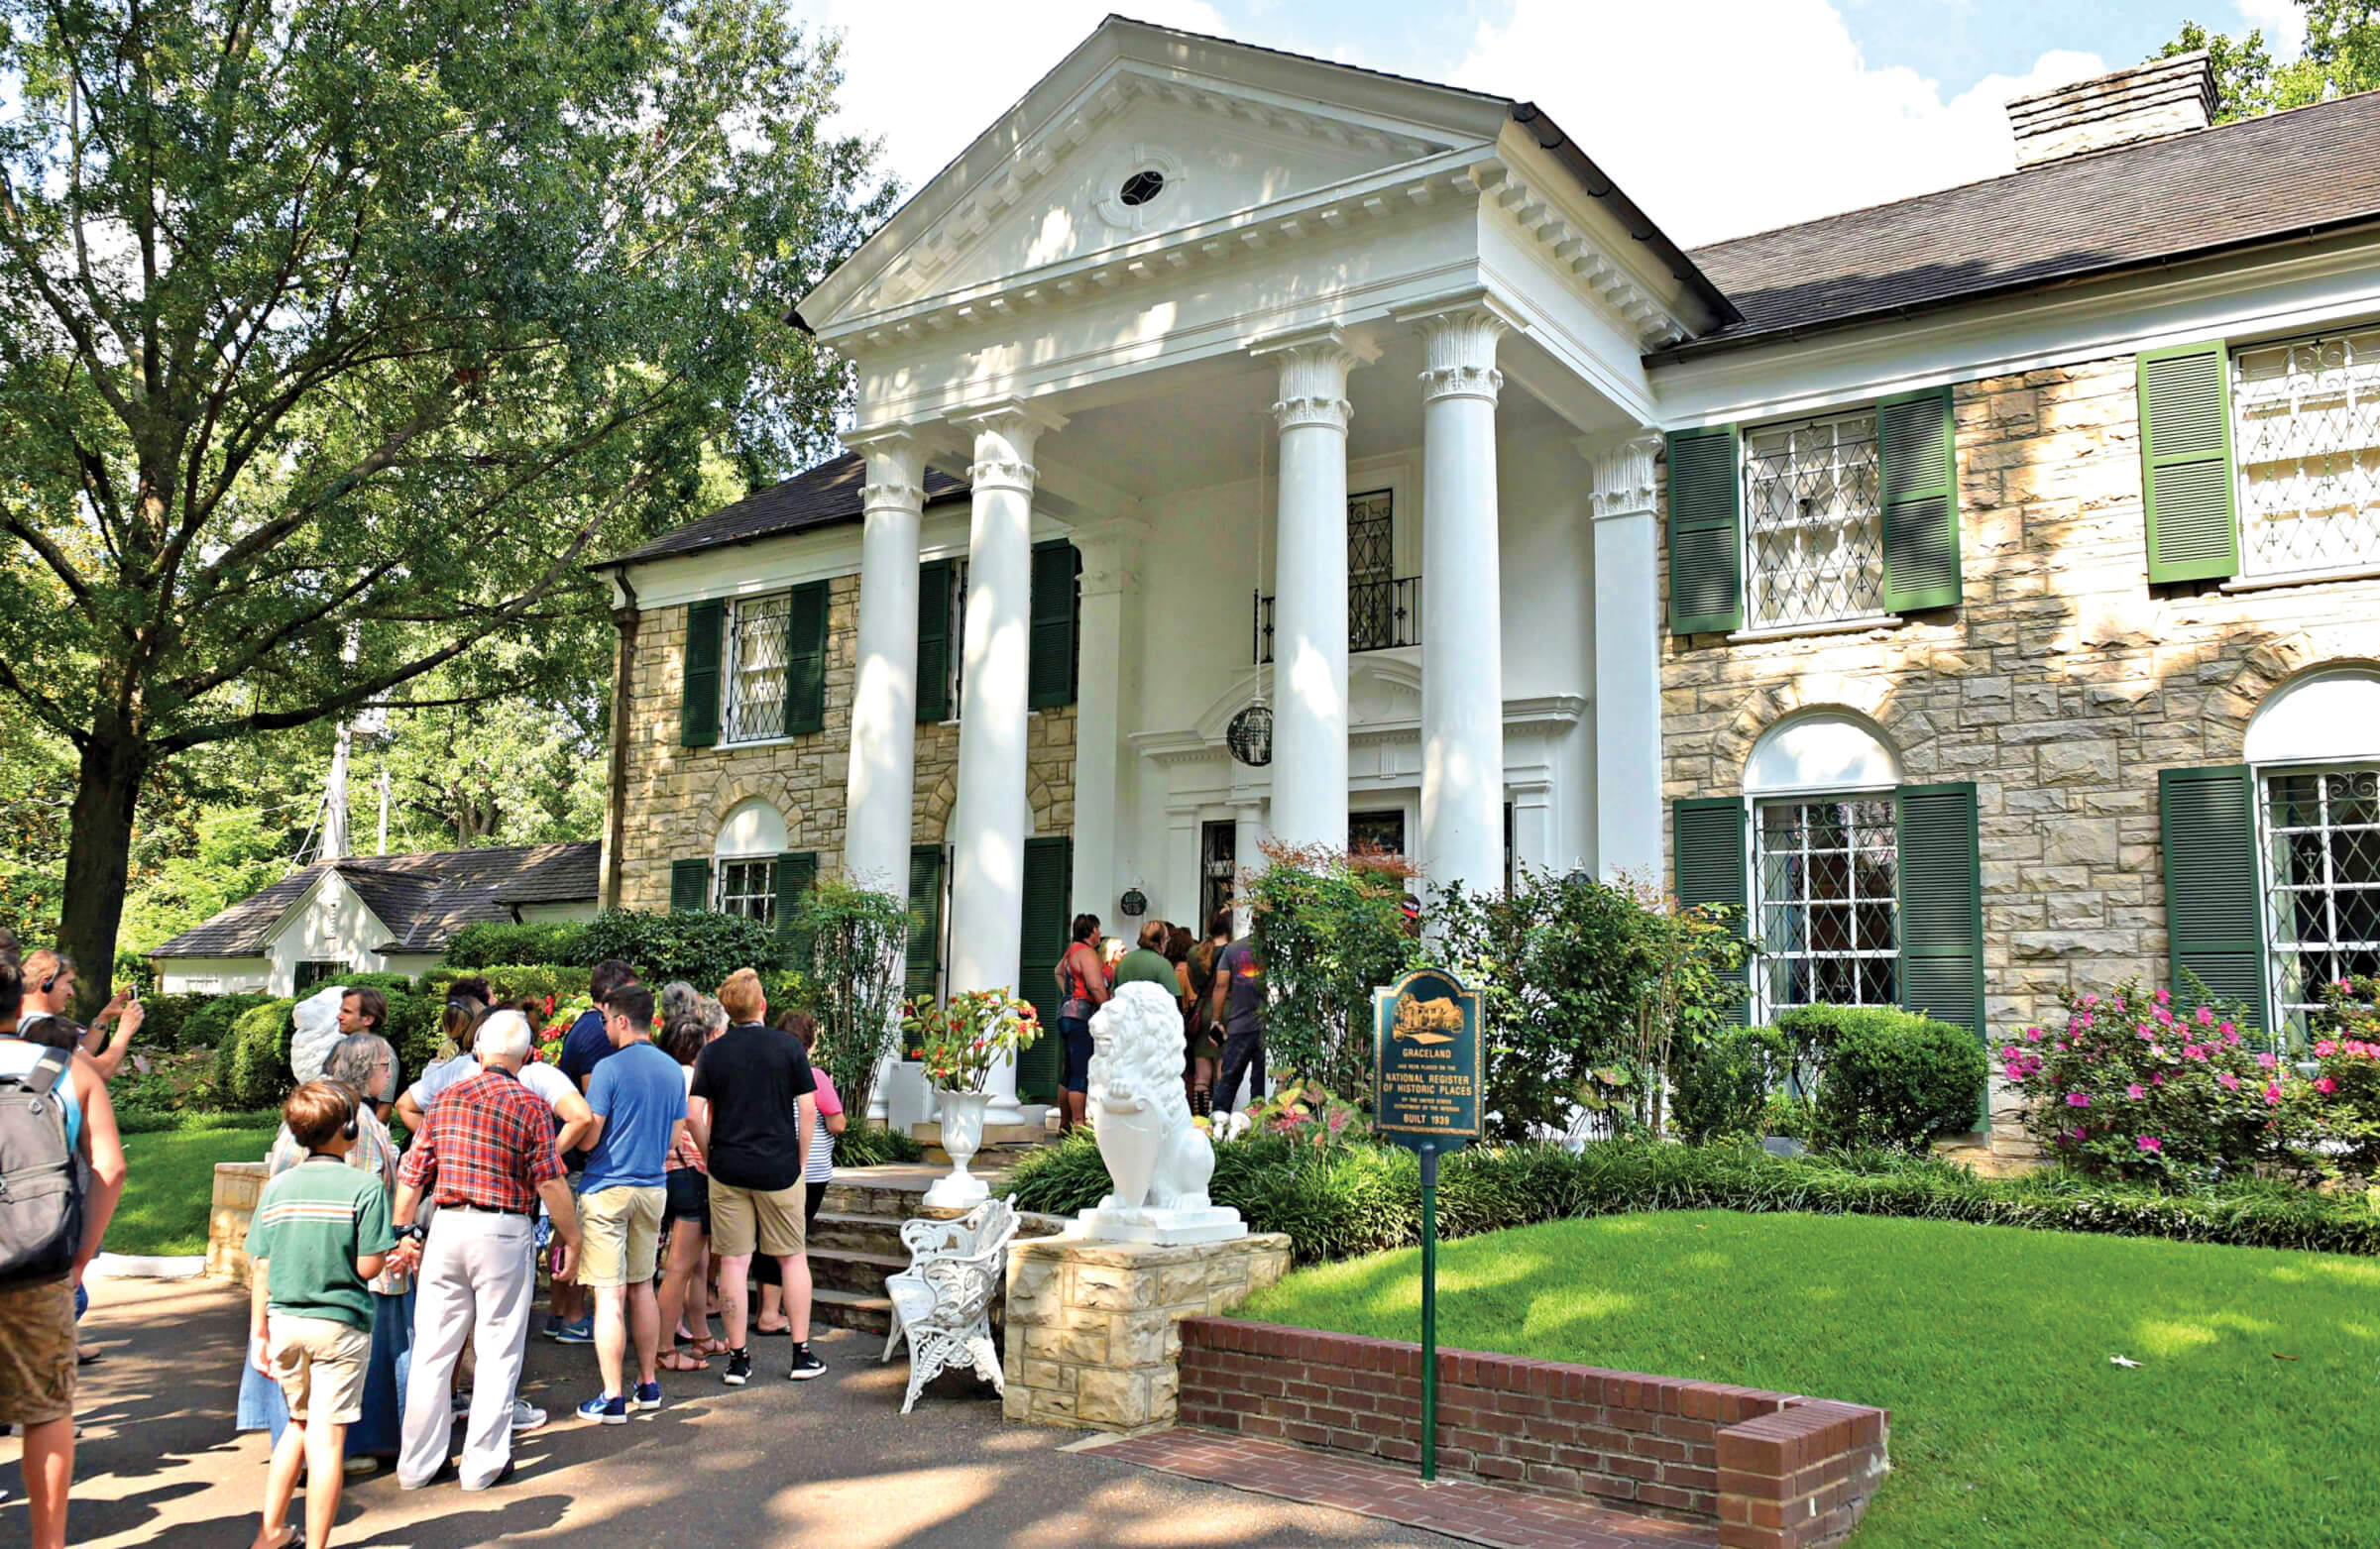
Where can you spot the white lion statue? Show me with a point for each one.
(1158, 1158)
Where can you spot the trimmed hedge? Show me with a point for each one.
(1341, 1201)
(208, 1023)
(698, 946)
(252, 1065)
(864, 1144)
(483, 945)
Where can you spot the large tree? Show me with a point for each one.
(336, 338)
(2342, 56)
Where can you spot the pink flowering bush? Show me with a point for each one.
(2338, 1110)
(2138, 1085)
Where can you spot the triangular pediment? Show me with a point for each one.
(1140, 133)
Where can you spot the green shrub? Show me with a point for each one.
(510, 981)
(386, 983)
(252, 1065)
(864, 1144)
(1896, 1078)
(478, 945)
(208, 1023)
(153, 1121)
(1721, 1087)
(1329, 929)
(162, 1018)
(1344, 1200)
(700, 948)
(857, 942)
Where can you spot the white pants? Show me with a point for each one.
(477, 1283)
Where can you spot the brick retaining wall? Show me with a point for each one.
(1772, 1470)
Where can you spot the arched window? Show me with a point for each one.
(750, 838)
(2313, 750)
(1825, 864)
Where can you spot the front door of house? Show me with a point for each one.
(1381, 830)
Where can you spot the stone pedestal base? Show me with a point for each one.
(237, 1188)
(1213, 1224)
(1091, 1338)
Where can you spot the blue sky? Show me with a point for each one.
(1719, 117)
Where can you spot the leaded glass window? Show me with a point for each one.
(1827, 873)
(748, 888)
(2305, 419)
(1813, 523)
(2322, 836)
(756, 650)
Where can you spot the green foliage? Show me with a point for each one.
(162, 1019)
(423, 1013)
(252, 1065)
(1894, 1078)
(2334, 1118)
(208, 1023)
(701, 948)
(1329, 929)
(2341, 56)
(480, 945)
(1721, 1087)
(858, 941)
(191, 1121)
(1342, 1200)
(864, 1144)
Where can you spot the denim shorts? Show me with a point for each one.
(1077, 1033)
(689, 1199)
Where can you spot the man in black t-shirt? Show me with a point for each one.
(759, 1084)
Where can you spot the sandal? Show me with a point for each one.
(683, 1361)
(711, 1347)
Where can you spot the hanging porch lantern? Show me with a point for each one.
(1250, 735)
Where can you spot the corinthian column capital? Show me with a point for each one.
(1314, 376)
(896, 468)
(1458, 348)
(1005, 434)
(1624, 473)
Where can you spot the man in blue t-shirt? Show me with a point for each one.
(586, 1046)
(639, 1103)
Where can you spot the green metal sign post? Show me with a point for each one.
(1425, 1093)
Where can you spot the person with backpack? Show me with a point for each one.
(1081, 991)
(61, 1167)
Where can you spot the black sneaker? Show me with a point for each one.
(739, 1368)
(806, 1364)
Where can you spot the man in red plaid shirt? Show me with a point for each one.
(484, 1155)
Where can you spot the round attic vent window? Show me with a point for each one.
(1141, 187)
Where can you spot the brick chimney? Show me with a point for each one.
(2153, 101)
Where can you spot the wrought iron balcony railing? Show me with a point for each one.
(1381, 615)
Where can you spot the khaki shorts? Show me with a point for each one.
(37, 1353)
(318, 1361)
(748, 1220)
(620, 1235)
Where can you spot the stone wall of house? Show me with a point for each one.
(677, 796)
(2061, 686)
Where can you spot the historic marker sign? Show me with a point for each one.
(1425, 1063)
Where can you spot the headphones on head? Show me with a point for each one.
(354, 1126)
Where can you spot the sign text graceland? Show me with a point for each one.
(1425, 1069)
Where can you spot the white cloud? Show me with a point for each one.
(928, 76)
(1722, 117)
(2283, 24)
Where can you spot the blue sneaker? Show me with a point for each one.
(580, 1333)
(605, 1409)
(648, 1396)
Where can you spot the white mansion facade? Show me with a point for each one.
(1979, 589)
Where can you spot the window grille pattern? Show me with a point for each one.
(2306, 428)
(757, 649)
(2322, 834)
(1813, 523)
(748, 888)
(1371, 572)
(1827, 873)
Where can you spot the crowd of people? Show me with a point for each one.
(1217, 980)
(674, 1155)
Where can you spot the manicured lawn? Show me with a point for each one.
(1991, 1346)
(168, 1184)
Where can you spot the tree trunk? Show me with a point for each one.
(107, 788)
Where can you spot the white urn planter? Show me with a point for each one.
(961, 1137)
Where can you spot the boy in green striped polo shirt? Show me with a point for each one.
(319, 1232)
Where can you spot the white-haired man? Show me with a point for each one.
(486, 1156)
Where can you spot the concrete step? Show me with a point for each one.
(869, 1314)
(860, 1233)
(844, 1269)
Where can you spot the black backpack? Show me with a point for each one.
(43, 1180)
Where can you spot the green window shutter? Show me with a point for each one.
(690, 885)
(1919, 456)
(1706, 542)
(2186, 461)
(698, 704)
(1057, 607)
(1049, 894)
(1941, 922)
(934, 641)
(923, 966)
(806, 660)
(1710, 864)
(2213, 924)
(794, 872)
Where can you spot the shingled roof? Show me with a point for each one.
(824, 496)
(2260, 179)
(423, 899)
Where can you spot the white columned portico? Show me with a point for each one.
(1310, 605)
(877, 793)
(1462, 612)
(989, 820)
(1628, 662)
(1110, 681)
